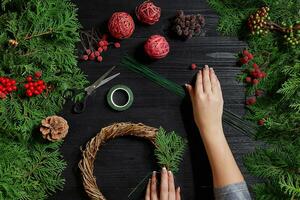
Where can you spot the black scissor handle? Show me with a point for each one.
(79, 107)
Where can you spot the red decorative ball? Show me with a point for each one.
(148, 12)
(121, 25)
(157, 47)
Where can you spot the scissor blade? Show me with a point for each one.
(99, 80)
(91, 89)
(107, 80)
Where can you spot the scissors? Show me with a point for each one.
(79, 107)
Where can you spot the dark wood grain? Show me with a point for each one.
(123, 162)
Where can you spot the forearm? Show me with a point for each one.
(224, 168)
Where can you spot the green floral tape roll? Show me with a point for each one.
(110, 97)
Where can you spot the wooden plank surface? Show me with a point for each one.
(123, 162)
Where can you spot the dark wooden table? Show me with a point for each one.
(123, 162)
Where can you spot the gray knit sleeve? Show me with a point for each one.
(237, 191)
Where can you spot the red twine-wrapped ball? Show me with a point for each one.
(121, 25)
(148, 13)
(157, 47)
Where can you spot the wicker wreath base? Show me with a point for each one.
(86, 165)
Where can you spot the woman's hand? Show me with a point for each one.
(167, 187)
(207, 100)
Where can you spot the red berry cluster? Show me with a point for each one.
(247, 56)
(254, 75)
(96, 46)
(34, 86)
(7, 86)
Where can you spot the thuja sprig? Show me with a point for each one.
(169, 149)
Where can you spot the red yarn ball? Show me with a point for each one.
(148, 13)
(157, 47)
(121, 25)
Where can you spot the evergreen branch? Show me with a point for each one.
(169, 149)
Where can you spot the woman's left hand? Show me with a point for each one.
(167, 187)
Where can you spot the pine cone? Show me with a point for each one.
(54, 128)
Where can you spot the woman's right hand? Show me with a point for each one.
(207, 100)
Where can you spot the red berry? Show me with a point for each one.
(28, 93)
(36, 92)
(40, 82)
(44, 87)
(250, 56)
(14, 87)
(255, 81)
(88, 51)
(97, 53)
(117, 44)
(84, 57)
(105, 43)
(251, 101)
(104, 48)
(101, 43)
(100, 58)
(244, 60)
(100, 49)
(31, 88)
(255, 66)
(263, 74)
(259, 92)
(193, 66)
(30, 84)
(13, 82)
(9, 89)
(248, 79)
(261, 122)
(29, 78)
(245, 52)
(92, 56)
(38, 74)
(2, 95)
(260, 75)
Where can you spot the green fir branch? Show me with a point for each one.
(169, 149)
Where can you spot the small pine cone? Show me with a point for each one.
(177, 21)
(187, 23)
(188, 17)
(178, 28)
(182, 25)
(197, 30)
(179, 32)
(180, 13)
(185, 32)
(54, 128)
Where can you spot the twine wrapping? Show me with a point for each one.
(157, 47)
(86, 164)
(148, 13)
(121, 25)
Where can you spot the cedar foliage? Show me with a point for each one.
(47, 32)
(278, 164)
(169, 149)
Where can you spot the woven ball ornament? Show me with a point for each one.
(121, 25)
(148, 13)
(157, 47)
